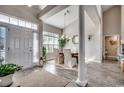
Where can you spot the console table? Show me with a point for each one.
(75, 55)
(122, 65)
(61, 58)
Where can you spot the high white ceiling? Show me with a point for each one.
(38, 7)
(59, 20)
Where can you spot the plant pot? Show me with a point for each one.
(41, 63)
(6, 80)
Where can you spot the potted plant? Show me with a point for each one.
(6, 73)
(62, 42)
(43, 58)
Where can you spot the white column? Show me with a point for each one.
(82, 67)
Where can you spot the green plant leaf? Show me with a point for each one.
(6, 69)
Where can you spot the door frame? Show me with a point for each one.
(118, 45)
(8, 26)
(6, 42)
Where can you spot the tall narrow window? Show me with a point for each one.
(2, 44)
(50, 41)
(35, 47)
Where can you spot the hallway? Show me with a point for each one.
(106, 74)
(99, 75)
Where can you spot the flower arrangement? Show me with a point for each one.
(62, 41)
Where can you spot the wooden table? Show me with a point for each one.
(122, 65)
(61, 58)
(75, 55)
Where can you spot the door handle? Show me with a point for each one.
(30, 49)
(8, 49)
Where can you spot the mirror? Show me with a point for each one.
(75, 39)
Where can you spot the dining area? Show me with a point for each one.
(66, 58)
(65, 55)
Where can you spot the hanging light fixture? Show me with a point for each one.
(64, 20)
(66, 12)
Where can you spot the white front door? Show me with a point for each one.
(20, 45)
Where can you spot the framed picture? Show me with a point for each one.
(75, 39)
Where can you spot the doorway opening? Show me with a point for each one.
(111, 47)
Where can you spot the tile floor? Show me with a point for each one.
(105, 74)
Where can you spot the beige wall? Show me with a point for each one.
(52, 29)
(21, 11)
(112, 21)
(122, 23)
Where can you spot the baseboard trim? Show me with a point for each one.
(97, 61)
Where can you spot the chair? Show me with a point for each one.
(68, 59)
(56, 55)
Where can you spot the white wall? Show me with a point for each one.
(93, 24)
(52, 29)
(70, 31)
(93, 27)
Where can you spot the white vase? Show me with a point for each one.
(41, 63)
(6, 80)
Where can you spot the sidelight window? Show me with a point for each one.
(2, 44)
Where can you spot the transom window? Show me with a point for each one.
(18, 22)
(4, 18)
(50, 41)
(13, 21)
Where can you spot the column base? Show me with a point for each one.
(82, 83)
